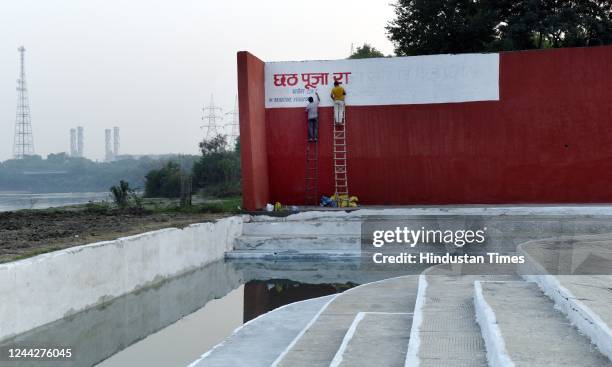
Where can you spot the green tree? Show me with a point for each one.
(218, 170)
(121, 194)
(533, 24)
(366, 51)
(456, 26)
(164, 182)
(217, 144)
(424, 27)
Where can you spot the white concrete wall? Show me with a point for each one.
(48, 287)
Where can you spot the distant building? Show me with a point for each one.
(108, 153)
(73, 143)
(80, 142)
(116, 141)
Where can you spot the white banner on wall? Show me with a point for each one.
(385, 81)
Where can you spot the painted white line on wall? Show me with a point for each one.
(412, 356)
(497, 355)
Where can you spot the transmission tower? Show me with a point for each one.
(211, 114)
(234, 127)
(24, 140)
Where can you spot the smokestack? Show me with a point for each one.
(80, 141)
(108, 154)
(116, 142)
(73, 143)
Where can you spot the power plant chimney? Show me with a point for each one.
(108, 153)
(116, 142)
(80, 141)
(73, 143)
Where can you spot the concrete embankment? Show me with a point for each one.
(51, 286)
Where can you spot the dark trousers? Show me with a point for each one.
(313, 129)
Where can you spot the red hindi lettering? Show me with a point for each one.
(311, 80)
(338, 77)
(279, 80)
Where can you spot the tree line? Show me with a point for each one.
(427, 27)
(62, 173)
(215, 173)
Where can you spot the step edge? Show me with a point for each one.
(338, 358)
(346, 340)
(580, 315)
(302, 332)
(497, 354)
(414, 343)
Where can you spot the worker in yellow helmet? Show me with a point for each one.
(338, 94)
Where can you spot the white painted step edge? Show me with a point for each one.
(497, 355)
(258, 318)
(301, 333)
(347, 338)
(314, 319)
(579, 314)
(351, 332)
(412, 356)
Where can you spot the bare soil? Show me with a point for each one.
(31, 232)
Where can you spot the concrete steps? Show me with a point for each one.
(522, 328)
(246, 347)
(302, 228)
(583, 290)
(444, 331)
(319, 343)
(312, 242)
(369, 334)
(585, 301)
(307, 234)
(280, 238)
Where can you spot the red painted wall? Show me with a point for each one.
(548, 140)
(254, 156)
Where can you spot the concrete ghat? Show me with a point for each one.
(449, 210)
(48, 287)
(337, 234)
(247, 348)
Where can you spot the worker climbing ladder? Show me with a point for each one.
(312, 173)
(340, 161)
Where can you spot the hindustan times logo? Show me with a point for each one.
(412, 237)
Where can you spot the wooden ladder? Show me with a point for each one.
(340, 160)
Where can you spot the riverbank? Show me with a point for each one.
(27, 233)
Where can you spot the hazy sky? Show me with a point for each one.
(148, 66)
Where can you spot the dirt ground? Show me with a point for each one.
(32, 232)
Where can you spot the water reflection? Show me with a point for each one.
(263, 296)
(100, 332)
(133, 322)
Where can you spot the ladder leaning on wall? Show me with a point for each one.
(312, 173)
(340, 160)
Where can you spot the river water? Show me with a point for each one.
(10, 200)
